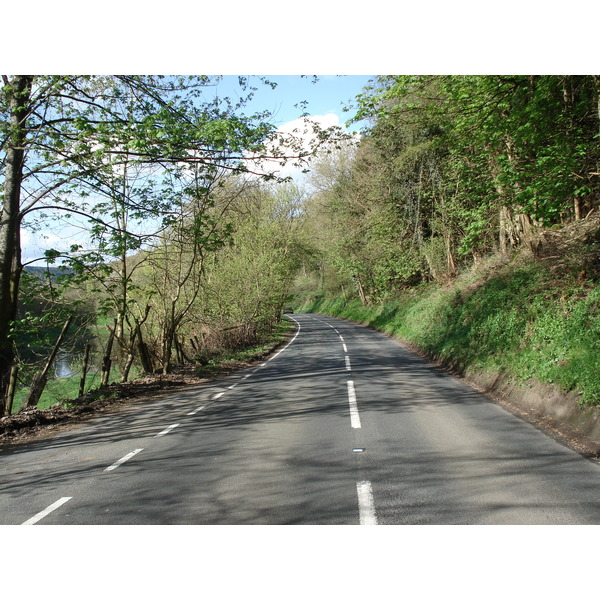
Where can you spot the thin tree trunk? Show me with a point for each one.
(167, 348)
(181, 355)
(143, 352)
(107, 362)
(418, 234)
(577, 207)
(450, 264)
(184, 357)
(12, 388)
(41, 378)
(86, 358)
(129, 356)
(178, 353)
(361, 292)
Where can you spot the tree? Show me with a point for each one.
(177, 261)
(247, 281)
(58, 132)
(15, 103)
(453, 167)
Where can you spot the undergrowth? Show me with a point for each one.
(226, 358)
(65, 390)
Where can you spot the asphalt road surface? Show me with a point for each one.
(342, 426)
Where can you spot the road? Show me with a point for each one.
(341, 426)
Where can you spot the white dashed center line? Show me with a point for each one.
(122, 460)
(47, 511)
(354, 416)
(195, 411)
(167, 430)
(348, 368)
(366, 505)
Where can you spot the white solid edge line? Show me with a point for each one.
(354, 416)
(122, 460)
(167, 430)
(195, 411)
(288, 344)
(366, 505)
(47, 511)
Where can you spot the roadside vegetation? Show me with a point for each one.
(220, 313)
(521, 317)
(466, 223)
(463, 220)
(191, 243)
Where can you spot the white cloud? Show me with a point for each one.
(302, 131)
(33, 245)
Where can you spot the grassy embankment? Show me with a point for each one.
(528, 319)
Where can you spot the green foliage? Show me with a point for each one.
(43, 308)
(526, 143)
(247, 281)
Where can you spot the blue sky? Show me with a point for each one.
(328, 95)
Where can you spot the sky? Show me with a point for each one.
(326, 97)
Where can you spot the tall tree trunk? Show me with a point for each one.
(12, 388)
(167, 347)
(450, 264)
(361, 291)
(577, 207)
(143, 352)
(84, 369)
(129, 356)
(18, 91)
